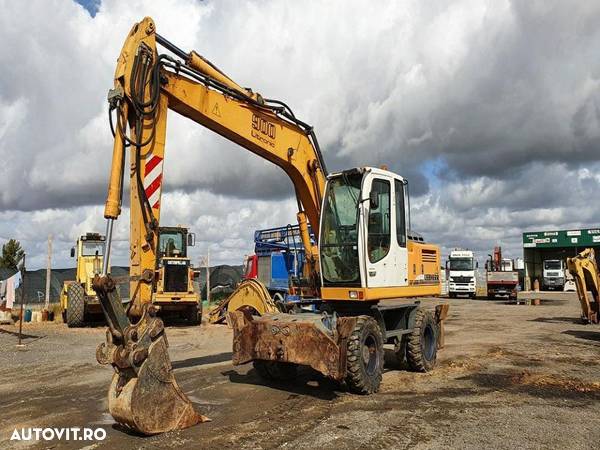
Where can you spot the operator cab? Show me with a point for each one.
(90, 249)
(363, 240)
(173, 242)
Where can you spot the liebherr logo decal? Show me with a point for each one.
(263, 130)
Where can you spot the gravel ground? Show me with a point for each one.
(510, 376)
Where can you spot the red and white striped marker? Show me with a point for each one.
(153, 180)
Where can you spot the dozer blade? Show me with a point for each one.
(315, 340)
(143, 395)
(250, 294)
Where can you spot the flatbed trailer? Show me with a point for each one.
(502, 283)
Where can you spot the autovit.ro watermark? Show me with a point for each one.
(58, 434)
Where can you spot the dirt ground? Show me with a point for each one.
(510, 376)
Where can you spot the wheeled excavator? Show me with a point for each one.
(364, 252)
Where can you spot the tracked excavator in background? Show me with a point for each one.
(365, 251)
(584, 269)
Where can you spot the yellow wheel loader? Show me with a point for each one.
(364, 253)
(78, 300)
(174, 294)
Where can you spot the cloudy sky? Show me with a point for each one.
(491, 109)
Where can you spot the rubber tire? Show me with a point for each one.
(424, 334)
(75, 306)
(358, 379)
(275, 370)
(194, 315)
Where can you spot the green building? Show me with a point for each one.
(539, 246)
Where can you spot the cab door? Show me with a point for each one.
(399, 238)
(378, 254)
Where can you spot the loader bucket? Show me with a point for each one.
(143, 395)
(250, 294)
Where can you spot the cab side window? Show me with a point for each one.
(378, 241)
(400, 214)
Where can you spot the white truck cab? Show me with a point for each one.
(461, 267)
(554, 274)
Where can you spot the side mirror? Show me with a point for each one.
(374, 200)
(72, 252)
(447, 264)
(191, 239)
(477, 264)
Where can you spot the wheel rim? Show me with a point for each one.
(370, 356)
(428, 343)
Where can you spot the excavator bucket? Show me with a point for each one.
(250, 294)
(143, 395)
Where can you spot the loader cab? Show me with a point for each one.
(363, 241)
(172, 242)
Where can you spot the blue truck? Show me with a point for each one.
(278, 256)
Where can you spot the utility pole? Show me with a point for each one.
(208, 275)
(20, 345)
(48, 272)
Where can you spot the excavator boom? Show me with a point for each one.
(144, 394)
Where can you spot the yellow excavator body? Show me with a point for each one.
(365, 253)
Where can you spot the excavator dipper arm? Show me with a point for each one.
(144, 394)
(584, 269)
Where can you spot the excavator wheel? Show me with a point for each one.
(75, 306)
(275, 370)
(365, 356)
(421, 349)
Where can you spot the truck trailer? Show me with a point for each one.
(501, 277)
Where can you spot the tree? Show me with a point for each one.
(11, 254)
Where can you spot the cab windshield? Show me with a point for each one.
(461, 264)
(91, 248)
(339, 231)
(171, 244)
(552, 265)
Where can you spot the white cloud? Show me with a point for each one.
(499, 92)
